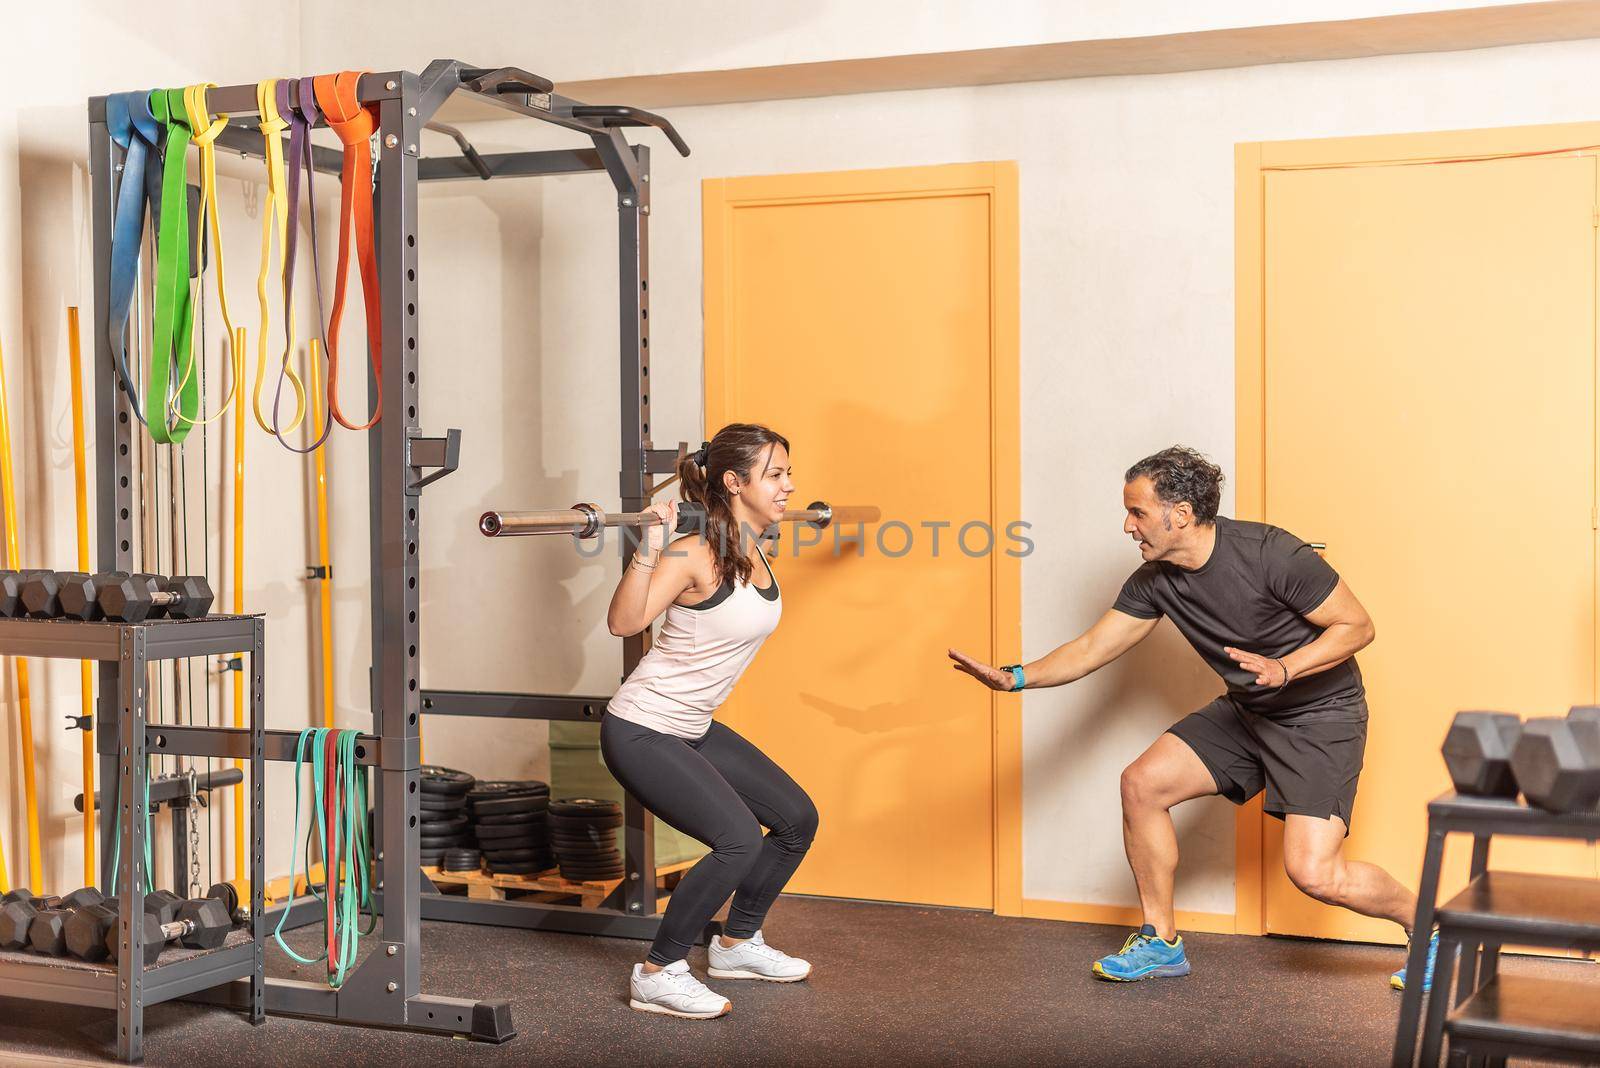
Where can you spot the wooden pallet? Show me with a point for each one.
(549, 886)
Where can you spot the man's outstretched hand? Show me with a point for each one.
(991, 677)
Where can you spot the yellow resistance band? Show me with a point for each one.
(86, 673)
(206, 130)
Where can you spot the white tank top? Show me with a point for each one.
(699, 653)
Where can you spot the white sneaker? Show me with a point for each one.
(673, 991)
(754, 959)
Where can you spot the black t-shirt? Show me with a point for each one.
(1253, 594)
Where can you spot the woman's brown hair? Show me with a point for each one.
(737, 447)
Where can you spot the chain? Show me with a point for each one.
(195, 889)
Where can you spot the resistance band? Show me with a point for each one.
(174, 313)
(149, 836)
(135, 130)
(354, 123)
(8, 500)
(297, 100)
(339, 789)
(206, 128)
(86, 673)
(275, 216)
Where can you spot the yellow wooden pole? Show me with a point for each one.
(238, 608)
(86, 680)
(325, 584)
(8, 500)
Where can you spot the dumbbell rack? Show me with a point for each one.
(123, 740)
(1495, 1016)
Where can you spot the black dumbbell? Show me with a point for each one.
(87, 927)
(90, 931)
(163, 905)
(1477, 751)
(202, 923)
(80, 593)
(12, 584)
(19, 908)
(135, 598)
(1557, 761)
(47, 933)
(17, 914)
(41, 593)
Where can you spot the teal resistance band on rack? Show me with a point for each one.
(116, 841)
(343, 839)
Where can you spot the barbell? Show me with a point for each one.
(587, 520)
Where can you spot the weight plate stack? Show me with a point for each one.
(583, 834)
(441, 781)
(432, 828)
(508, 822)
(436, 807)
(461, 860)
(444, 805)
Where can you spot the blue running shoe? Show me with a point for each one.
(1398, 979)
(1144, 956)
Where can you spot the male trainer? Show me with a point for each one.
(1282, 629)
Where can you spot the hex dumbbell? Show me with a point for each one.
(1477, 752)
(41, 594)
(86, 928)
(12, 584)
(1557, 761)
(80, 593)
(17, 912)
(47, 933)
(202, 923)
(135, 598)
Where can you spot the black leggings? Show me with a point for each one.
(719, 789)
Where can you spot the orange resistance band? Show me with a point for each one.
(354, 123)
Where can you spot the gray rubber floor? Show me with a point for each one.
(893, 985)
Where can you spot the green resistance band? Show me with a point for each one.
(173, 337)
(354, 892)
(116, 841)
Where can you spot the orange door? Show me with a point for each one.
(1430, 414)
(869, 317)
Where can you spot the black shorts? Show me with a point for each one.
(1308, 762)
